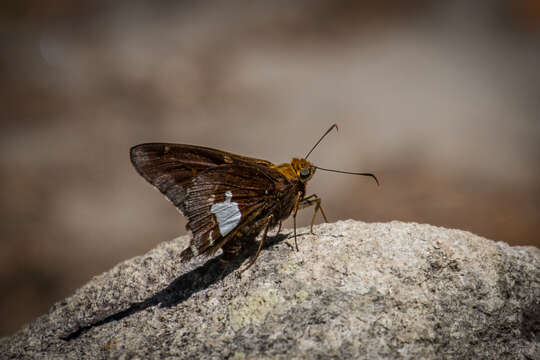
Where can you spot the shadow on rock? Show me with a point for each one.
(183, 287)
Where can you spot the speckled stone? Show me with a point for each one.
(355, 290)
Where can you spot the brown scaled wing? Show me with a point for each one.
(196, 178)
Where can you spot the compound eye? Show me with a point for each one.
(304, 173)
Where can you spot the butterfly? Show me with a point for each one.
(228, 199)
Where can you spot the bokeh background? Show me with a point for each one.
(439, 99)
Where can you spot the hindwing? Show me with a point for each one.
(222, 199)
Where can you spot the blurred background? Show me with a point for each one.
(439, 99)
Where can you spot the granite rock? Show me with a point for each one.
(354, 290)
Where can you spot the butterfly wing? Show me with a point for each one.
(223, 199)
(171, 167)
(219, 192)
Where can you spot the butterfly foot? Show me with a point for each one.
(289, 244)
(293, 247)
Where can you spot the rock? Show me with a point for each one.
(355, 290)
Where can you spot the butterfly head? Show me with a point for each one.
(304, 169)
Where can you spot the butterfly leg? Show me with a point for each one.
(279, 228)
(310, 201)
(268, 222)
(295, 210)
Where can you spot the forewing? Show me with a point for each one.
(172, 167)
(222, 199)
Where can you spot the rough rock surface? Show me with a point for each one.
(380, 290)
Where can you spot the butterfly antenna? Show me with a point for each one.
(322, 137)
(351, 173)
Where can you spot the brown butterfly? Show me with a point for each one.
(228, 199)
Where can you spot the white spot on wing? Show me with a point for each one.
(227, 213)
(194, 250)
(211, 239)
